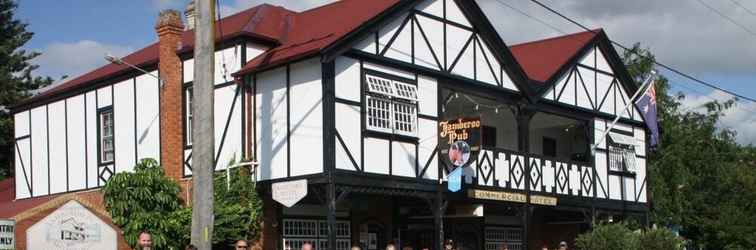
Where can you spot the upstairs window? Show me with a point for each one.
(391, 106)
(621, 154)
(107, 141)
(189, 98)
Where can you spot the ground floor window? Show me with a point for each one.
(299, 231)
(498, 236)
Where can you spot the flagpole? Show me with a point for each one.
(642, 89)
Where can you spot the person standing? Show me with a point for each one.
(563, 245)
(241, 245)
(390, 246)
(307, 246)
(145, 241)
(449, 244)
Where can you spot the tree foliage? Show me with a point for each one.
(16, 79)
(148, 200)
(620, 236)
(700, 178)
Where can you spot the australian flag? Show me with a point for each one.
(647, 106)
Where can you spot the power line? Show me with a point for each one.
(726, 17)
(679, 84)
(743, 7)
(531, 17)
(641, 55)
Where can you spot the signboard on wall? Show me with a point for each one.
(289, 193)
(70, 227)
(7, 234)
(459, 140)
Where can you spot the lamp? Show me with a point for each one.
(118, 61)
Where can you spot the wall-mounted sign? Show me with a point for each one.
(459, 139)
(543, 200)
(7, 234)
(289, 193)
(70, 227)
(511, 197)
(496, 195)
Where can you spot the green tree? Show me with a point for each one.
(146, 199)
(699, 177)
(607, 237)
(16, 80)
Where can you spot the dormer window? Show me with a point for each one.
(391, 106)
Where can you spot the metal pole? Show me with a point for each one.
(202, 127)
(646, 83)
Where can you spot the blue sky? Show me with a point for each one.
(74, 35)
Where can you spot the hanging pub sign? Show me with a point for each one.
(459, 140)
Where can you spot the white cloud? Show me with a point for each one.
(739, 118)
(684, 34)
(76, 58)
(296, 5)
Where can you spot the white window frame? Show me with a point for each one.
(391, 106)
(497, 236)
(189, 93)
(296, 232)
(621, 157)
(106, 134)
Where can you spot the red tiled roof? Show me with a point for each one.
(313, 30)
(543, 58)
(10, 207)
(263, 21)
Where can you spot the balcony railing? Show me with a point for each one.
(508, 169)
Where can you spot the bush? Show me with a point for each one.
(660, 239)
(619, 236)
(608, 237)
(148, 200)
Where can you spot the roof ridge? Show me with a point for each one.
(593, 31)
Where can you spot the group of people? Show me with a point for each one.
(145, 243)
(448, 245)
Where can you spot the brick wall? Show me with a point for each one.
(270, 233)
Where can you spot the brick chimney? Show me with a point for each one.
(169, 29)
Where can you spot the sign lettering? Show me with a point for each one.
(511, 197)
(7, 234)
(290, 192)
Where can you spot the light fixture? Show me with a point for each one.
(118, 61)
(496, 110)
(476, 107)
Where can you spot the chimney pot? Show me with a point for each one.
(190, 15)
(169, 19)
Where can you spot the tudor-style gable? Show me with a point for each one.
(439, 35)
(582, 71)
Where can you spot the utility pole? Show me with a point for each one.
(202, 127)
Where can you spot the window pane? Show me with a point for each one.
(107, 153)
(378, 114)
(405, 118)
(379, 85)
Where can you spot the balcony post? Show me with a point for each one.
(523, 145)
